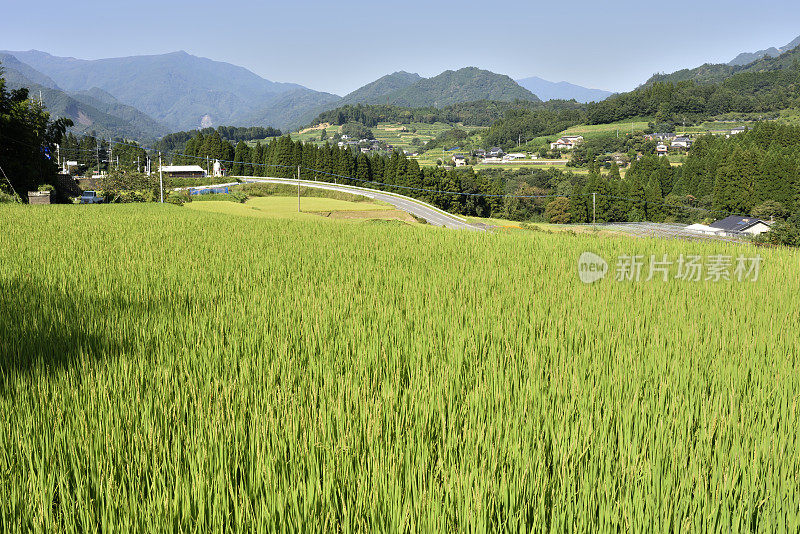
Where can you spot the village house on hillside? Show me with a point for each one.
(566, 142)
(459, 160)
(662, 136)
(681, 142)
(662, 150)
(736, 225)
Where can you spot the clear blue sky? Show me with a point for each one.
(337, 46)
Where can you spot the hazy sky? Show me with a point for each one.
(337, 46)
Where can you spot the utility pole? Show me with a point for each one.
(298, 189)
(594, 208)
(110, 155)
(160, 178)
(58, 154)
(137, 163)
(98, 157)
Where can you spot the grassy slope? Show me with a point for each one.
(286, 207)
(206, 372)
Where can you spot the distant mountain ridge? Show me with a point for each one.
(748, 57)
(181, 90)
(143, 97)
(718, 72)
(547, 90)
(91, 110)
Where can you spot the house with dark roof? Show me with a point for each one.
(459, 160)
(681, 142)
(737, 225)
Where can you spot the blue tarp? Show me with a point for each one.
(209, 191)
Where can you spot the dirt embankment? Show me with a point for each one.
(322, 126)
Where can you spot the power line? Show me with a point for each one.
(435, 191)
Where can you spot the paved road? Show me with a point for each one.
(415, 207)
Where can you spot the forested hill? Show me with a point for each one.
(479, 113)
(464, 85)
(90, 111)
(718, 72)
(184, 91)
(769, 84)
(377, 92)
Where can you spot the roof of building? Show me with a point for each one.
(736, 223)
(182, 168)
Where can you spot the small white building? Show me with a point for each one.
(662, 150)
(702, 229)
(219, 170)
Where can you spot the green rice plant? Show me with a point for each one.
(166, 369)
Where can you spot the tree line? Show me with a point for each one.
(28, 140)
(459, 191)
(177, 141)
(478, 113)
(745, 92)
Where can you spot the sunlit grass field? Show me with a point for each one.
(286, 207)
(166, 369)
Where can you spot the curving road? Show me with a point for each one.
(433, 215)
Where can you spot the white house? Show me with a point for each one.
(459, 160)
(566, 142)
(681, 142)
(662, 150)
(736, 225)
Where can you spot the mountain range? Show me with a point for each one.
(143, 97)
(562, 90)
(748, 57)
(718, 72)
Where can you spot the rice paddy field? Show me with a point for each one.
(168, 369)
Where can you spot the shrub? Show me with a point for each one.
(6, 198)
(179, 198)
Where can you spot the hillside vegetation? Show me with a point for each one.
(379, 91)
(464, 85)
